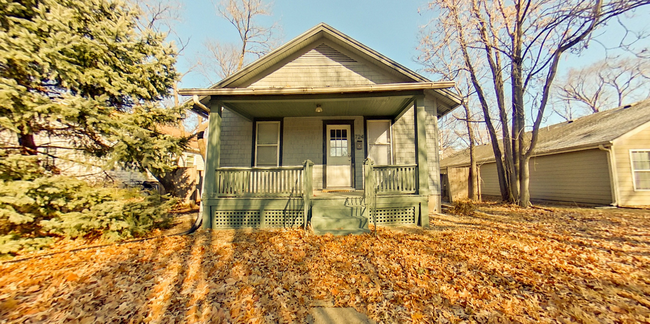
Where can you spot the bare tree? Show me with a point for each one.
(159, 15)
(224, 59)
(605, 84)
(521, 43)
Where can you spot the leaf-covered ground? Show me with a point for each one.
(500, 265)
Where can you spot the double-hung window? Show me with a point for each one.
(640, 169)
(380, 141)
(267, 144)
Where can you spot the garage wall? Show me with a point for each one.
(581, 177)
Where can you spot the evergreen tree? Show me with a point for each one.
(83, 71)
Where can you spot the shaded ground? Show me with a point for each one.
(500, 265)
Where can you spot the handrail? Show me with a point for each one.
(386, 166)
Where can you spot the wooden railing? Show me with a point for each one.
(395, 179)
(260, 181)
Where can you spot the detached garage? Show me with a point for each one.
(600, 159)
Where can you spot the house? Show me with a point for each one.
(59, 155)
(599, 159)
(290, 134)
(189, 174)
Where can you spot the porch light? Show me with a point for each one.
(318, 108)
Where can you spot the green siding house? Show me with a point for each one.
(323, 130)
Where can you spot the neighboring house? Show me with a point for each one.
(59, 155)
(329, 99)
(188, 176)
(599, 159)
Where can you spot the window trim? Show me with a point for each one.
(634, 171)
(279, 139)
(390, 134)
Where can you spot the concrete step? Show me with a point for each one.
(333, 211)
(342, 232)
(324, 222)
(334, 216)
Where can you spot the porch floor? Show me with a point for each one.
(320, 194)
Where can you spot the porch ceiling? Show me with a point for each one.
(306, 107)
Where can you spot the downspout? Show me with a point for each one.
(613, 176)
(199, 218)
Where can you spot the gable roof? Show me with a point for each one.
(587, 132)
(244, 77)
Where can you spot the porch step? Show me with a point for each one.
(342, 232)
(337, 219)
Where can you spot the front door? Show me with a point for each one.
(339, 156)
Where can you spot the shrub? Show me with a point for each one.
(36, 208)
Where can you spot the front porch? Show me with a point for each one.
(285, 197)
(257, 141)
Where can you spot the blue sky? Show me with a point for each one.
(388, 26)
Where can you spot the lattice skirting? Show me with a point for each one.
(395, 216)
(283, 218)
(255, 219)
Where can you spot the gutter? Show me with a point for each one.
(613, 175)
(386, 87)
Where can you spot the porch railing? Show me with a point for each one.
(395, 179)
(260, 181)
(289, 181)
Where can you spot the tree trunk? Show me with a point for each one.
(181, 126)
(524, 180)
(241, 55)
(473, 176)
(518, 113)
(27, 143)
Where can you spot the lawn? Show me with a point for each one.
(500, 265)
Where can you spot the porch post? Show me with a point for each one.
(369, 193)
(308, 189)
(212, 161)
(421, 157)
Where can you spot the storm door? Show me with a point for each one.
(339, 156)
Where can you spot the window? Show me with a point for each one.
(380, 142)
(338, 142)
(189, 160)
(640, 169)
(267, 144)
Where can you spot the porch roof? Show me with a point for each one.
(385, 100)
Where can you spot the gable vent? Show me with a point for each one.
(333, 54)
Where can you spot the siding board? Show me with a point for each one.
(236, 140)
(404, 138)
(581, 177)
(324, 66)
(622, 146)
